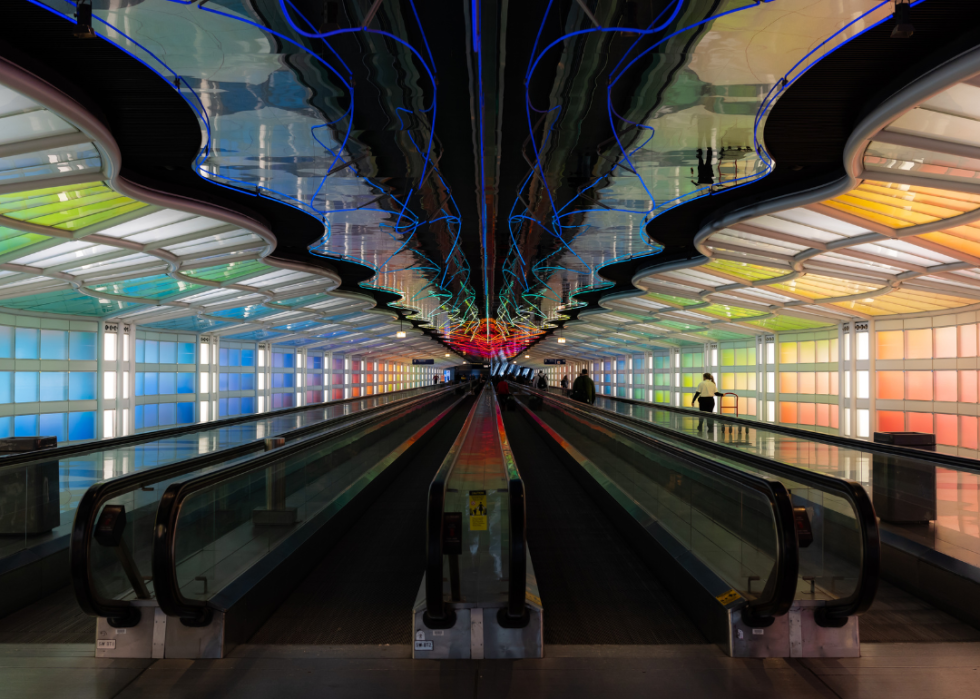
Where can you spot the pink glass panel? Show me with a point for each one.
(918, 344)
(808, 414)
(945, 342)
(920, 422)
(946, 386)
(808, 382)
(946, 429)
(890, 344)
(968, 340)
(918, 385)
(823, 415)
(968, 431)
(890, 385)
(968, 386)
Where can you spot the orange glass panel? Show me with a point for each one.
(891, 421)
(787, 353)
(787, 413)
(787, 382)
(918, 385)
(968, 340)
(945, 386)
(890, 344)
(833, 350)
(834, 413)
(968, 386)
(808, 352)
(920, 422)
(918, 344)
(945, 339)
(807, 414)
(823, 350)
(823, 383)
(355, 392)
(752, 406)
(823, 415)
(807, 382)
(946, 432)
(890, 385)
(834, 383)
(968, 432)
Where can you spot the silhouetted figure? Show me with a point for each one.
(706, 174)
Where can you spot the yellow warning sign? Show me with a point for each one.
(728, 597)
(533, 599)
(478, 510)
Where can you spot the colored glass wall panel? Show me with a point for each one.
(945, 386)
(946, 342)
(891, 421)
(787, 353)
(967, 340)
(890, 344)
(26, 343)
(920, 422)
(946, 429)
(918, 344)
(807, 352)
(968, 431)
(890, 385)
(788, 382)
(54, 344)
(918, 385)
(968, 386)
(82, 346)
(788, 413)
(807, 383)
(807, 413)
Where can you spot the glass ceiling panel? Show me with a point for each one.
(154, 287)
(61, 161)
(228, 272)
(69, 302)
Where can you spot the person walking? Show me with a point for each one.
(542, 382)
(503, 394)
(583, 390)
(704, 397)
(564, 385)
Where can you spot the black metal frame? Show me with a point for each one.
(103, 444)
(121, 613)
(834, 614)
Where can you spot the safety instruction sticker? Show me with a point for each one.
(728, 597)
(478, 510)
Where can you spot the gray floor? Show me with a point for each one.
(887, 671)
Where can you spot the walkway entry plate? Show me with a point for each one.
(478, 511)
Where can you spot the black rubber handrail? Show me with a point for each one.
(959, 462)
(516, 613)
(172, 602)
(834, 613)
(157, 435)
(120, 612)
(759, 612)
(437, 614)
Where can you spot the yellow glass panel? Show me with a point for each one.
(741, 382)
(952, 242)
(860, 212)
(815, 286)
(890, 344)
(823, 383)
(751, 386)
(807, 383)
(741, 356)
(903, 208)
(905, 301)
(833, 350)
(728, 382)
(787, 353)
(955, 203)
(918, 344)
(823, 350)
(743, 270)
(808, 352)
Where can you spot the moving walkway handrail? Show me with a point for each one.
(936, 458)
(171, 600)
(761, 611)
(156, 435)
(121, 613)
(836, 612)
(516, 613)
(437, 614)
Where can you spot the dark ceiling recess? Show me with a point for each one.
(157, 132)
(810, 124)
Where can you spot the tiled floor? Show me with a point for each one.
(887, 671)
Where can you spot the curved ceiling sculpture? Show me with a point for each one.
(485, 161)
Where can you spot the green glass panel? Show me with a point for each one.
(728, 357)
(232, 270)
(156, 287)
(68, 302)
(741, 356)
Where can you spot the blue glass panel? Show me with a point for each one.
(234, 382)
(81, 426)
(139, 384)
(168, 352)
(150, 383)
(277, 381)
(222, 407)
(234, 357)
(26, 343)
(82, 346)
(185, 382)
(248, 382)
(150, 415)
(140, 351)
(6, 425)
(287, 360)
(81, 385)
(25, 386)
(168, 383)
(223, 382)
(152, 352)
(287, 380)
(54, 344)
(6, 390)
(6, 342)
(248, 405)
(234, 406)
(54, 425)
(248, 357)
(223, 356)
(277, 359)
(167, 414)
(54, 385)
(185, 353)
(25, 426)
(138, 417)
(185, 413)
